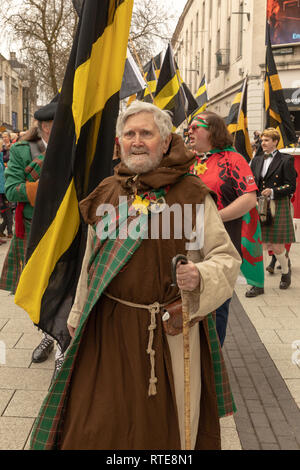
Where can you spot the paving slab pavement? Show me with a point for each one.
(262, 351)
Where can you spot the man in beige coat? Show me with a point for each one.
(126, 384)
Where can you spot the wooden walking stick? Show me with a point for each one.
(186, 353)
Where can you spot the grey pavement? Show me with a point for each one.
(262, 352)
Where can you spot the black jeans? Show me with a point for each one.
(7, 215)
(222, 319)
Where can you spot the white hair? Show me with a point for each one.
(161, 118)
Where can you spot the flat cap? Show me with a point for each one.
(47, 112)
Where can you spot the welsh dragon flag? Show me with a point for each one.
(252, 252)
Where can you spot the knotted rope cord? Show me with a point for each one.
(153, 309)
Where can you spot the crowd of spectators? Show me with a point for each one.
(7, 139)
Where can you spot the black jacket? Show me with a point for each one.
(281, 175)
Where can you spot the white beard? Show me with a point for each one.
(142, 163)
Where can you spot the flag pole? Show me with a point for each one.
(240, 108)
(181, 94)
(154, 64)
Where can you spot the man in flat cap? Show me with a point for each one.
(22, 179)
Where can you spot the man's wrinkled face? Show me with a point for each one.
(268, 144)
(142, 147)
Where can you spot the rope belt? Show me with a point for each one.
(153, 309)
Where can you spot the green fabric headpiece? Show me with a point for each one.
(201, 122)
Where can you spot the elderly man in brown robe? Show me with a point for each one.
(126, 389)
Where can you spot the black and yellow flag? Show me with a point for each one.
(201, 95)
(201, 98)
(237, 122)
(148, 93)
(277, 113)
(78, 157)
(133, 82)
(155, 62)
(172, 93)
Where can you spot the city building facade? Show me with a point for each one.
(17, 98)
(225, 40)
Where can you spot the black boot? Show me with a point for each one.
(285, 280)
(43, 350)
(271, 266)
(254, 291)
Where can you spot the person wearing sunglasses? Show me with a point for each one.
(227, 173)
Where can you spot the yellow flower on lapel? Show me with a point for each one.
(200, 168)
(140, 205)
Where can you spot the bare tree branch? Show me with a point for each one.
(150, 28)
(45, 30)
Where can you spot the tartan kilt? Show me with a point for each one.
(282, 229)
(14, 260)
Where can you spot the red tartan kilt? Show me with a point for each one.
(14, 261)
(282, 229)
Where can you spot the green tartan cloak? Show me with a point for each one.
(108, 258)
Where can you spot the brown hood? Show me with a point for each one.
(173, 166)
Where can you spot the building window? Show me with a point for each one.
(228, 33)
(229, 8)
(210, 18)
(197, 70)
(219, 15)
(186, 41)
(7, 99)
(240, 30)
(25, 109)
(218, 48)
(209, 62)
(14, 120)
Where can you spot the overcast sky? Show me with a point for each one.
(176, 6)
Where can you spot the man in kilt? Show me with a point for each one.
(21, 182)
(275, 176)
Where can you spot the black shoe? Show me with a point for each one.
(271, 266)
(57, 367)
(254, 291)
(43, 350)
(285, 281)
